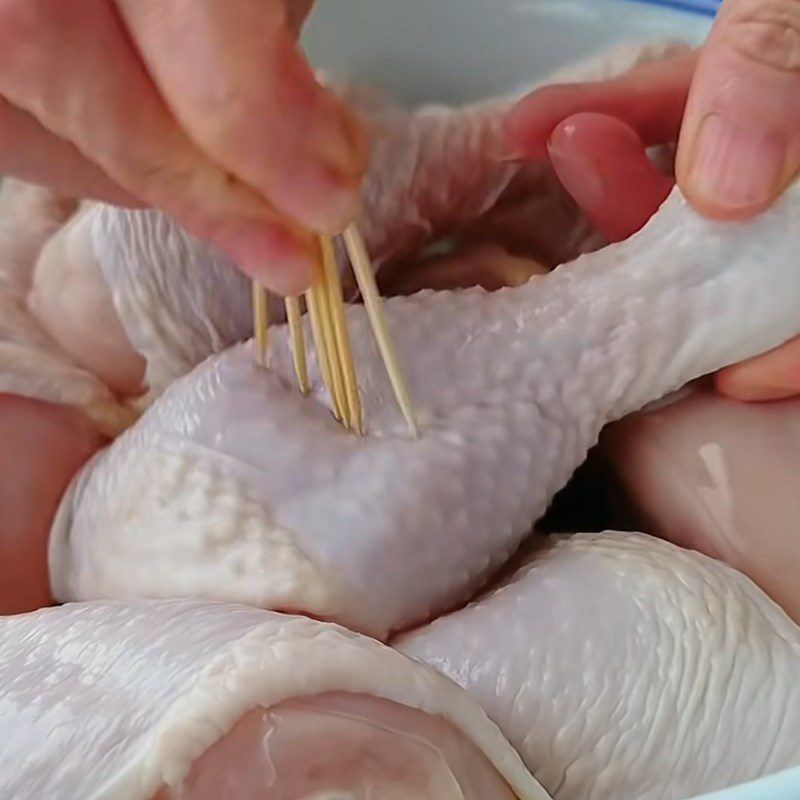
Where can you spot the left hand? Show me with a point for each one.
(205, 109)
(595, 135)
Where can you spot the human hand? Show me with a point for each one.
(44, 445)
(205, 109)
(733, 110)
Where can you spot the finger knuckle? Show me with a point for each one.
(767, 32)
(146, 173)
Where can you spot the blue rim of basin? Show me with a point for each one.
(707, 8)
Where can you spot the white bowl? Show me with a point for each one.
(430, 50)
(460, 50)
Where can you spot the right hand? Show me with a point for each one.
(206, 109)
(732, 108)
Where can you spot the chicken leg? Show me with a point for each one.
(183, 701)
(234, 486)
(621, 666)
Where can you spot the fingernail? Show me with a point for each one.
(274, 256)
(734, 166)
(335, 202)
(323, 199)
(578, 175)
(751, 386)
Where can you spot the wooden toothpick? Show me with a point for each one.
(359, 259)
(260, 322)
(298, 341)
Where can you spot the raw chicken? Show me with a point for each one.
(179, 700)
(88, 352)
(621, 666)
(180, 301)
(43, 441)
(31, 362)
(720, 477)
(262, 498)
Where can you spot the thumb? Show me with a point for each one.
(740, 141)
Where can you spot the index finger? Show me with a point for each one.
(233, 75)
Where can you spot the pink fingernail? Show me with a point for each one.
(578, 175)
(334, 201)
(273, 255)
(735, 166)
(322, 198)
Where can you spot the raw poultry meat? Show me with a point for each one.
(180, 301)
(720, 477)
(31, 362)
(264, 499)
(617, 665)
(123, 702)
(621, 666)
(240, 515)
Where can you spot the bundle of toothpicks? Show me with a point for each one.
(325, 306)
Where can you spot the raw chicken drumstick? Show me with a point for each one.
(262, 498)
(621, 666)
(183, 701)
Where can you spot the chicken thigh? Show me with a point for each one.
(263, 498)
(618, 665)
(621, 666)
(182, 701)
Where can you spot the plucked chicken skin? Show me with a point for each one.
(657, 673)
(513, 389)
(618, 666)
(159, 701)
